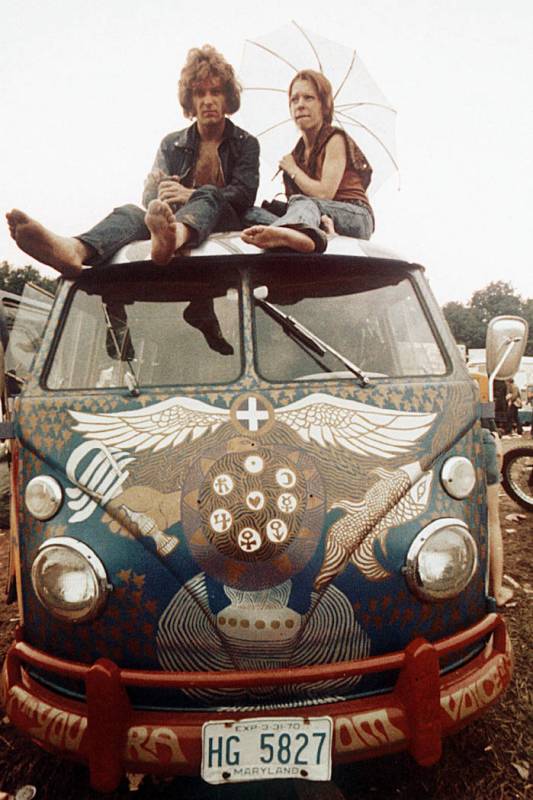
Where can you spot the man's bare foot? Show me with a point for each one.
(168, 235)
(503, 596)
(268, 236)
(63, 253)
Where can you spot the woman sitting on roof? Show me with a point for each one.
(326, 175)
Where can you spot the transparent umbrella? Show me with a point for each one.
(270, 62)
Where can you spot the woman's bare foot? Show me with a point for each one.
(503, 595)
(268, 236)
(63, 253)
(326, 223)
(168, 235)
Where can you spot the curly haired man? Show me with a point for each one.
(204, 179)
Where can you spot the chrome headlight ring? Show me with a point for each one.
(441, 560)
(70, 580)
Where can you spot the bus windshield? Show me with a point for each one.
(144, 334)
(369, 318)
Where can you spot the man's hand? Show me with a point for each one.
(171, 191)
(288, 164)
(153, 179)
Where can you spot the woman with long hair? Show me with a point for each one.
(325, 176)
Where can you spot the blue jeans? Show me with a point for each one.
(304, 213)
(205, 212)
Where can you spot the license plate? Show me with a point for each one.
(266, 748)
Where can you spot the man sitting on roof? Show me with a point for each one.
(204, 179)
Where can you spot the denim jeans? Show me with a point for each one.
(205, 212)
(303, 212)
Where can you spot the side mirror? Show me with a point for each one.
(505, 345)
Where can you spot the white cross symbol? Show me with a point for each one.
(252, 416)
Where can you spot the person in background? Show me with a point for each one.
(326, 177)
(514, 402)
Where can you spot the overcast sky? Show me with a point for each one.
(89, 89)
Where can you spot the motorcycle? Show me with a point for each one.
(517, 475)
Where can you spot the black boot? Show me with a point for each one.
(201, 314)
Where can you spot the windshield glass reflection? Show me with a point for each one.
(371, 317)
(144, 333)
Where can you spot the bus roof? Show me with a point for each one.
(224, 244)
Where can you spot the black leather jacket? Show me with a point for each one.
(239, 156)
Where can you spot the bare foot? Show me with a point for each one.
(503, 595)
(268, 236)
(168, 235)
(326, 223)
(63, 253)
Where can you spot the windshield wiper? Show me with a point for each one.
(119, 344)
(308, 338)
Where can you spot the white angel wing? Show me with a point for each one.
(362, 429)
(155, 427)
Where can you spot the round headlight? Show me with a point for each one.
(458, 477)
(69, 579)
(441, 560)
(43, 497)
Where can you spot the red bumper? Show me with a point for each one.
(112, 737)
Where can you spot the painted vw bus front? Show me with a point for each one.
(252, 550)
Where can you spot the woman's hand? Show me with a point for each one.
(288, 164)
(332, 171)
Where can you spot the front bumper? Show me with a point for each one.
(108, 734)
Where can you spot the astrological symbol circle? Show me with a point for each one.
(249, 540)
(254, 464)
(255, 500)
(285, 478)
(277, 530)
(223, 484)
(287, 503)
(221, 520)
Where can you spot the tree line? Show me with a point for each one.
(13, 279)
(468, 321)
